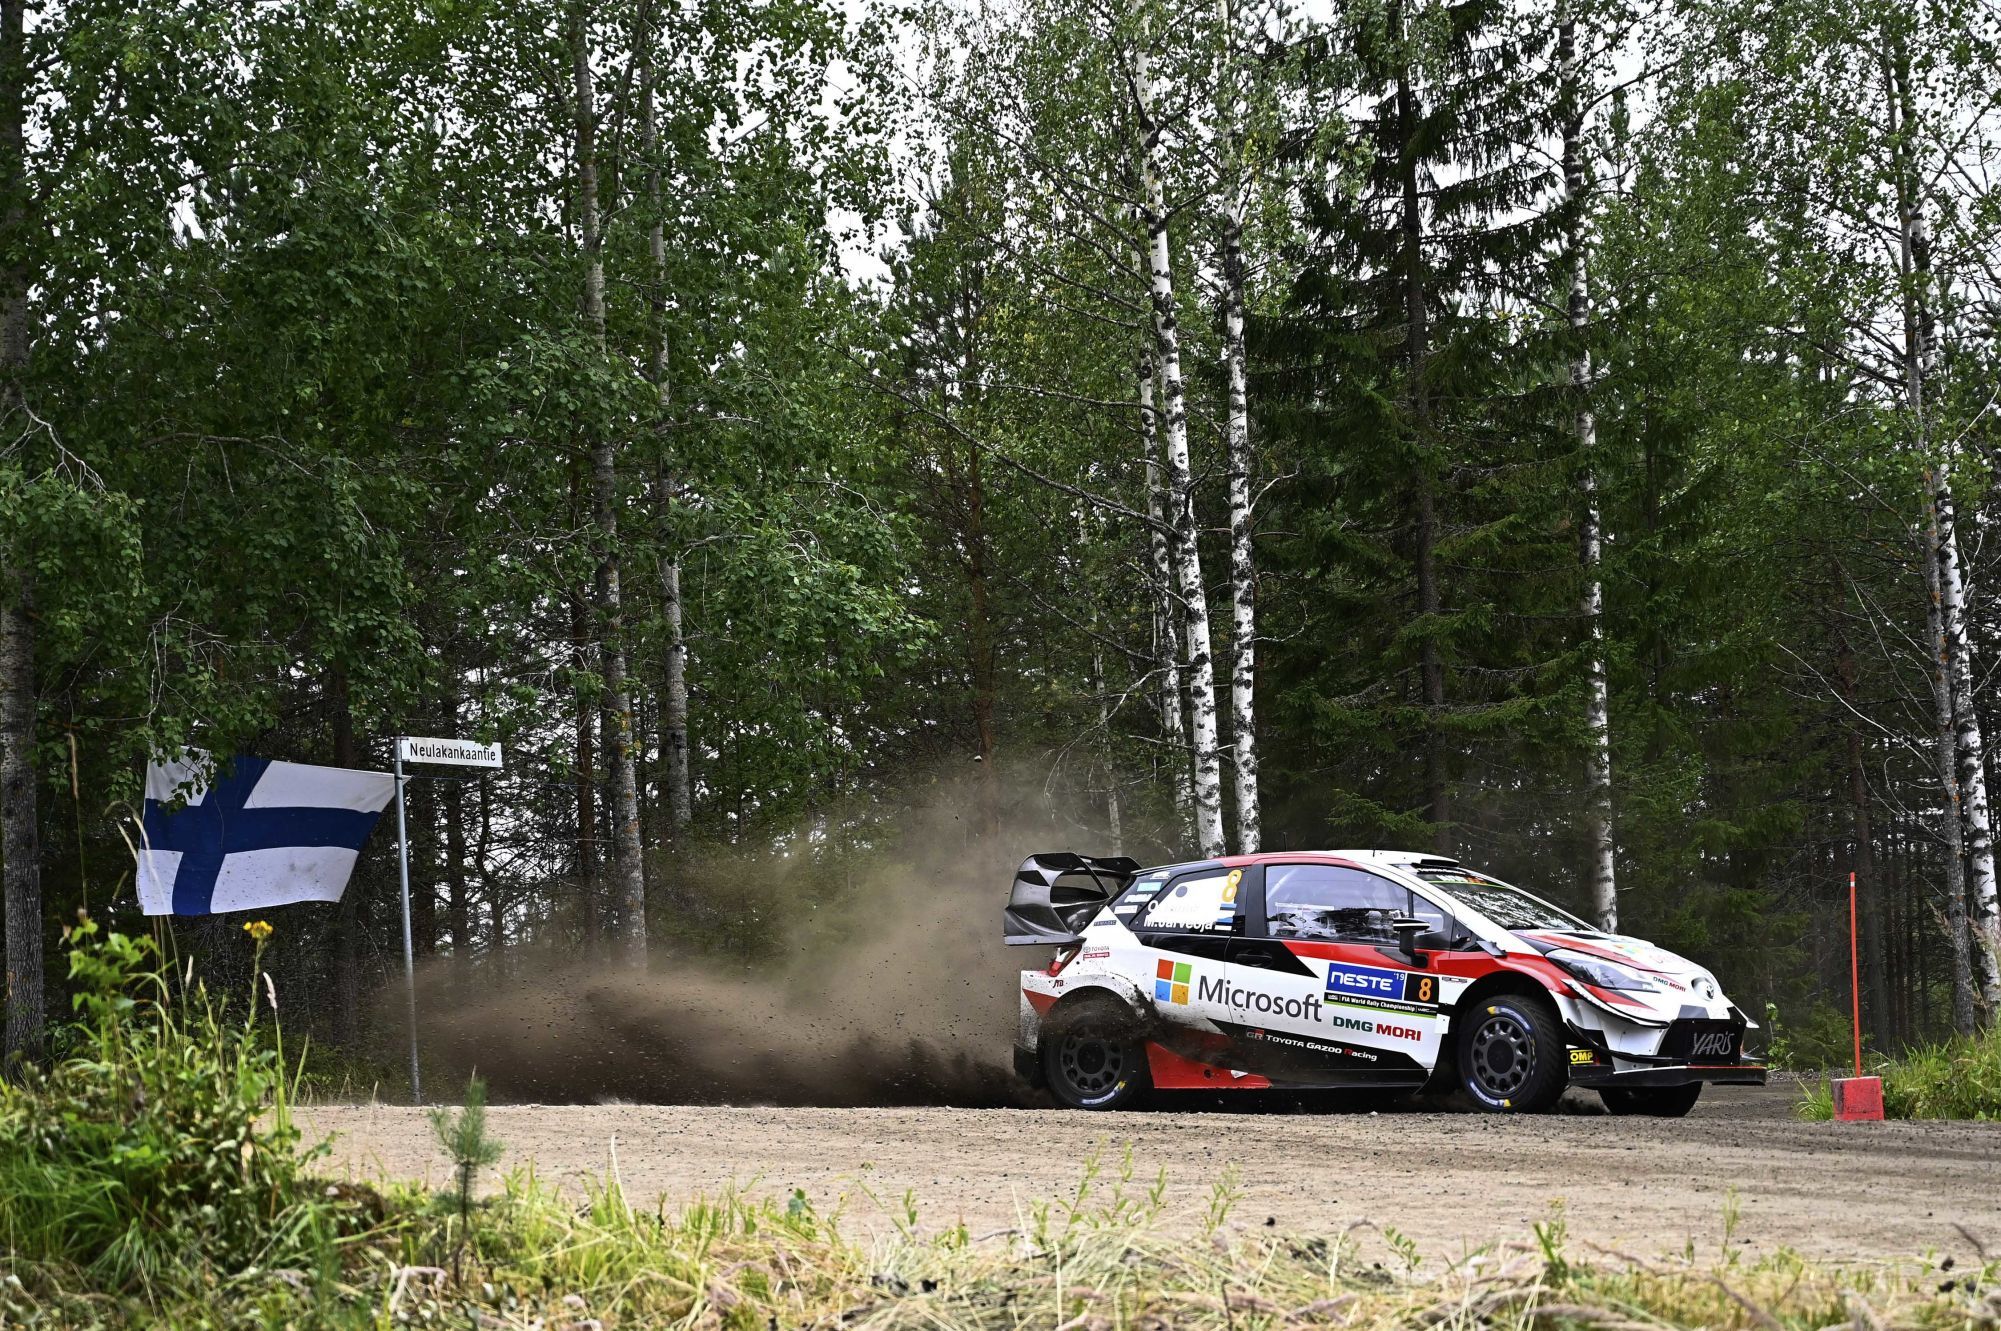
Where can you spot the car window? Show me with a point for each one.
(1509, 907)
(1205, 901)
(1328, 903)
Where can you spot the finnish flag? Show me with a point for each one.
(267, 834)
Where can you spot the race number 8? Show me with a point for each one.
(1419, 988)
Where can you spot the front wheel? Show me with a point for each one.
(1094, 1061)
(1652, 1101)
(1511, 1055)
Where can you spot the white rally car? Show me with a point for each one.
(1385, 969)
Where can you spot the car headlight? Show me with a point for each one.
(1601, 972)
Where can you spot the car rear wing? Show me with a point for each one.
(1057, 892)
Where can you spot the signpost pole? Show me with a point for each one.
(409, 954)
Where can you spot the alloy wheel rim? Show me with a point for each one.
(1503, 1056)
(1092, 1065)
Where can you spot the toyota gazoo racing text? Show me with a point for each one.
(1382, 969)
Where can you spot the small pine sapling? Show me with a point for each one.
(463, 1137)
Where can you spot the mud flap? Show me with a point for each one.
(1057, 892)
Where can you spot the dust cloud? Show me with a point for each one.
(875, 975)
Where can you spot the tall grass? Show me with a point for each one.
(1100, 1260)
(1956, 1078)
(162, 1141)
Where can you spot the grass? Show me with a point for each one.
(1098, 1260)
(1958, 1078)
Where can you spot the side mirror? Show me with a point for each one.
(1415, 936)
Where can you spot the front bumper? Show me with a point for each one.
(1595, 1062)
(1722, 1074)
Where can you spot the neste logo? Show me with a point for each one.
(1371, 980)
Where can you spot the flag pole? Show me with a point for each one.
(409, 955)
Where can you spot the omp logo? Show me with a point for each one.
(1371, 980)
(1170, 982)
(1712, 1044)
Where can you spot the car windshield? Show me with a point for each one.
(1509, 907)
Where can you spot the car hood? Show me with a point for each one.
(1685, 984)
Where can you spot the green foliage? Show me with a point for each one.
(161, 1143)
(1958, 1078)
(1824, 1040)
(737, 1263)
(462, 1134)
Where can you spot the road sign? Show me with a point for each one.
(452, 752)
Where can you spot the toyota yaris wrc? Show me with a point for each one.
(1351, 969)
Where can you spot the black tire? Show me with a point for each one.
(1093, 1058)
(1511, 1055)
(1652, 1101)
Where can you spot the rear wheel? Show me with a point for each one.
(1511, 1055)
(1094, 1059)
(1654, 1101)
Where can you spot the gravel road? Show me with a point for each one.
(1451, 1181)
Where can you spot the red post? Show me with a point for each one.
(1857, 1099)
(1854, 975)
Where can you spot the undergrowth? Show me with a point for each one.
(154, 1178)
(162, 1141)
(1955, 1078)
(1097, 1261)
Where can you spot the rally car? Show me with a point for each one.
(1350, 969)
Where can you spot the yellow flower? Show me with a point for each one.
(258, 930)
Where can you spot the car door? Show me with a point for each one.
(1184, 930)
(1334, 1000)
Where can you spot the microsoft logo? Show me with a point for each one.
(1170, 982)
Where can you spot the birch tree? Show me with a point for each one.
(1234, 185)
(629, 883)
(1166, 608)
(1184, 549)
(1574, 72)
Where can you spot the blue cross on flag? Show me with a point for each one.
(267, 834)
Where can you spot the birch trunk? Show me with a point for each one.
(674, 666)
(628, 874)
(20, 855)
(1945, 749)
(1970, 748)
(1237, 434)
(1113, 821)
(1590, 546)
(1167, 616)
(1945, 576)
(583, 778)
(1184, 548)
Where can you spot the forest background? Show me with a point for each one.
(1560, 433)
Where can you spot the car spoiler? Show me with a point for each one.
(1057, 892)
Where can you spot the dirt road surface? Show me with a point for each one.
(1451, 1181)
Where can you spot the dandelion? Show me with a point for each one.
(259, 930)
